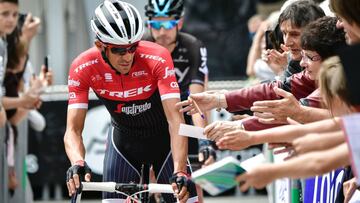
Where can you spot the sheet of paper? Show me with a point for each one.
(191, 131)
(351, 124)
(356, 197)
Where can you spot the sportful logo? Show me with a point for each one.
(152, 57)
(108, 77)
(168, 73)
(86, 64)
(134, 109)
(125, 94)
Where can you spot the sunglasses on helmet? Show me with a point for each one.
(122, 50)
(166, 24)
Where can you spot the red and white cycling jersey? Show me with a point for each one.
(133, 99)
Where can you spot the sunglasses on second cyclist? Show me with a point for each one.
(166, 24)
(122, 50)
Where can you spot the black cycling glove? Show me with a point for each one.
(181, 179)
(207, 151)
(80, 167)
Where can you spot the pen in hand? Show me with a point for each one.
(198, 108)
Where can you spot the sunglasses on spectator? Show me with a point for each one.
(122, 50)
(311, 58)
(166, 24)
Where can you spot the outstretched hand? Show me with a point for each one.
(205, 100)
(276, 111)
(217, 129)
(257, 177)
(235, 140)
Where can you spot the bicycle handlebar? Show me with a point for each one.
(127, 189)
(121, 187)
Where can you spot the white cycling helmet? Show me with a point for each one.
(118, 23)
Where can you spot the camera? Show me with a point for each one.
(21, 19)
(274, 38)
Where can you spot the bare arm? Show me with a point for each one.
(25, 101)
(240, 139)
(310, 114)
(74, 145)
(289, 132)
(255, 49)
(318, 141)
(179, 144)
(2, 116)
(19, 116)
(312, 164)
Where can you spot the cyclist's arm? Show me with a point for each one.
(74, 145)
(179, 144)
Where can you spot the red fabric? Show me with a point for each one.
(300, 85)
(152, 70)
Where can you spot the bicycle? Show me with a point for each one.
(135, 192)
(130, 190)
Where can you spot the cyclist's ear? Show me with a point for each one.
(147, 24)
(98, 44)
(181, 22)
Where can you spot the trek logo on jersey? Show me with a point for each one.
(152, 57)
(168, 73)
(125, 94)
(108, 77)
(139, 74)
(134, 109)
(86, 64)
(174, 85)
(72, 95)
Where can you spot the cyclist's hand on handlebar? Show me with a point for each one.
(75, 174)
(180, 181)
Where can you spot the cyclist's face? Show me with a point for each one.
(311, 62)
(121, 62)
(163, 35)
(292, 39)
(8, 17)
(352, 30)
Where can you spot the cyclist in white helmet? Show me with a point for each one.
(136, 82)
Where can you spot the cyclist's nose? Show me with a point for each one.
(126, 57)
(162, 31)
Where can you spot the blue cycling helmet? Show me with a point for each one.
(165, 8)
